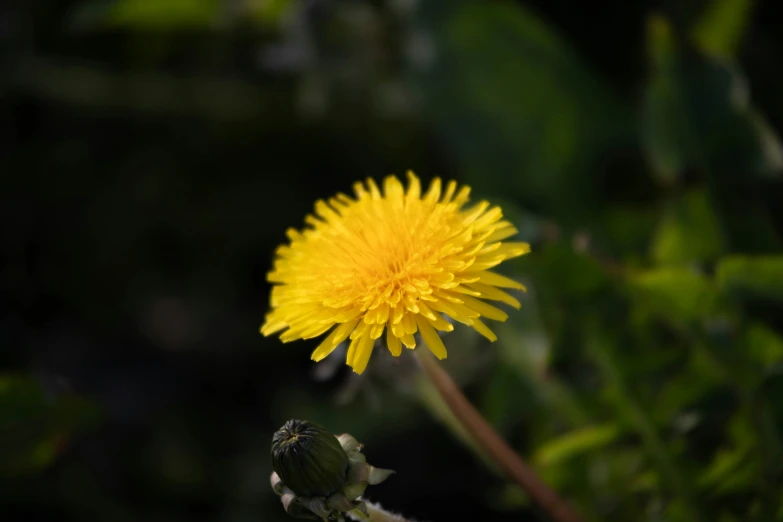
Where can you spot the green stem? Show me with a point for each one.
(429, 397)
(498, 450)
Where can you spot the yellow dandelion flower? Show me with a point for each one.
(394, 261)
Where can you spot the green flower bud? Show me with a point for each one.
(309, 459)
(319, 476)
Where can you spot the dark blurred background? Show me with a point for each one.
(155, 151)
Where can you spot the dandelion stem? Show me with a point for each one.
(377, 514)
(501, 453)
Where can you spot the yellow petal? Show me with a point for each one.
(465, 290)
(451, 186)
(483, 330)
(409, 341)
(392, 188)
(442, 306)
(485, 309)
(472, 214)
(393, 343)
(362, 354)
(270, 327)
(376, 330)
(463, 314)
(374, 192)
(491, 216)
(397, 314)
(433, 193)
(490, 292)
(431, 337)
(513, 249)
(414, 187)
(440, 323)
(337, 336)
(351, 355)
(382, 313)
(505, 230)
(359, 330)
(359, 190)
(398, 329)
(491, 278)
(316, 330)
(426, 312)
(409, 323)
(462, 196)
(486, 262)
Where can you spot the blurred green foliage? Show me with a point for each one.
(173, 142)
(35, 429)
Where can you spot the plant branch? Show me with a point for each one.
(501, 453)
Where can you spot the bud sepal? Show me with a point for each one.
(320, 476)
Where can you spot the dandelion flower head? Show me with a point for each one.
(392, 261)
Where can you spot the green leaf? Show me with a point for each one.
(577, 442)
(665, 127)
(763, 344)
(566, 272)
(160, 14)
(689, 231)
(90, 13)
(681, 392)
(770, 392)
(734, 468)
(720, 28)
(679, 294)
(517, 106)
(730, 470)
(35, 429)
(645, 481)
(696, 114)
(629, 228)
(602, 348)
(269, 11)
(760, 276)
